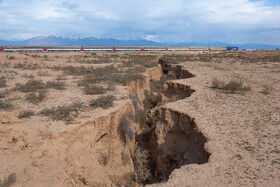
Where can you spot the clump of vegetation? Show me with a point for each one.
(232, 86)
(3, 83)
(25, 114)
(11, 57)
(5, 105)
(36, 98)
(35, 56)
(141, 165)
(157, 86)
(59, 85)
(30, 86)
(129, 76)
(103, 159)
(27, 66)
(125, 129)
(103, 102)
(29, 76)
(266, 89)
(42, 73)
(64, 113)
(7, 182)
(95, 90)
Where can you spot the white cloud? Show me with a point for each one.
(158, 20)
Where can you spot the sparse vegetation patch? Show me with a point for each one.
(65, 113)
(103, 102)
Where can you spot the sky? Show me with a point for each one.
(235, 21)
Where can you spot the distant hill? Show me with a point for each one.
(92, 41)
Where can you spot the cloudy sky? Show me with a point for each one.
(236, 21)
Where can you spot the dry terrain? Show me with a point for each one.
(140, 118)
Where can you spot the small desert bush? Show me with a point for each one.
(64, 113)
(141, 165)
(36, 97)
(94, 90)
(11, 57)
(42, 73)
(128, 77)
(125, 129)
(61, 78)
(30, 86)
(7, 182)
(157, 86)
(25, 114)
(35, 56)
(103, 159)
(103, 102)
(266, 89)
(233, 86)
(3, 83)
(59, 85)
(29, 76)
(5, 105)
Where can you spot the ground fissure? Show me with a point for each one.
(169, 139)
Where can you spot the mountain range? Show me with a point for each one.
(92, 41)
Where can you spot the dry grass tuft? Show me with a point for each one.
(266, 89)
(59, 85)
(3, 83)
(103, 102)
(36, 98)
(64, 113)
(25, 114)
(125, 129)
(233, 86)
(5, 105)
(141, 165)
(30, 86)
(7, 182)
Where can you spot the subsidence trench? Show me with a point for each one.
(166, 139)
(141, 141)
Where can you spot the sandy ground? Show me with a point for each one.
(242, 129)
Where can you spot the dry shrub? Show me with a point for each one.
(42, 73)
(233, 86)
(141, 165)
(36, 98)
(103, 159)
(11, 57)
(30, 86)
(7, 182)
(59, 85)
(157, 86)
(64, 113)
(29, 76)
(125, 129)
(266, 89)
(5, 105)
(3, 83)
(94, 90)
(25, 114)
(103, 102)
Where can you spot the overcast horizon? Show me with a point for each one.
(235, 21)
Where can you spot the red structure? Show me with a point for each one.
(209, 48)
(45, 49)
(82, 48)
(142, 48)
(114, 48)
(2, 48)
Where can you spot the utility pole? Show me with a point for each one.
(209, 45)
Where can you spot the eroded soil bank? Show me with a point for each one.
(171, 138)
